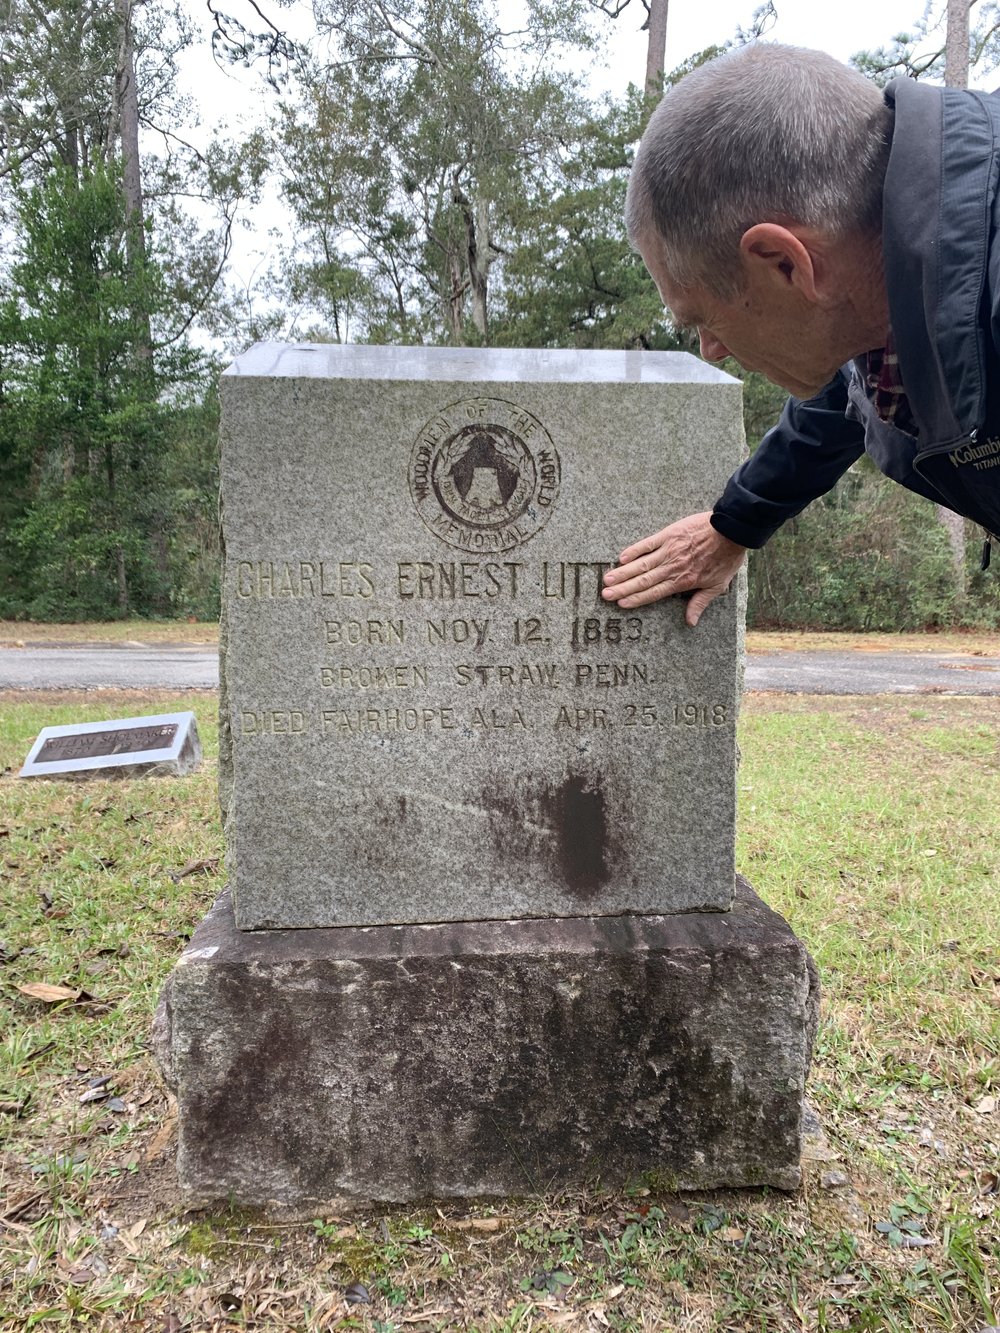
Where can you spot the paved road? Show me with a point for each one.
(173, 668)
(873, 673)
(121, 666)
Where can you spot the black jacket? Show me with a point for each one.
(940, 215)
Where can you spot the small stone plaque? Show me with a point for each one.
(166, 744)
(434, 715)
(98, 744)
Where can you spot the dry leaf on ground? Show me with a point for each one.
(208, 866)
(42, 990)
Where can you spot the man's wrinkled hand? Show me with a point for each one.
(687, 556)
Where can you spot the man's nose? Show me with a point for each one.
(711, 348)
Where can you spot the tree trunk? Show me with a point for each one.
(956, 75)
(135, 254)
(456, 302)
(956, 51)
(135, 229)
(72, 129)
(122, 581)
(476, 221)
(479, 242)
(656, 47)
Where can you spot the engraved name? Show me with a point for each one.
(574, 579)
(453, 579)
(268, 579)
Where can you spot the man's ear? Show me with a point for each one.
(782, 256)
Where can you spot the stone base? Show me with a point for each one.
(314, 1068)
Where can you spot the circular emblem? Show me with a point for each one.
(484, 474)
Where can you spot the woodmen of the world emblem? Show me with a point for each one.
(484, 474)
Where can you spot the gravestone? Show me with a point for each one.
(482, 933)
(164, 745)
(436, 717)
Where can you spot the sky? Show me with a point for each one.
(841, 27)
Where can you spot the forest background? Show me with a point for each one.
(450, 180)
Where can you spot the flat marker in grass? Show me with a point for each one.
(164, 745)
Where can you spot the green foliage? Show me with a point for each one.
(867, 556)
(421, 158)
(571, 278)
(190, 439)
(870, 555)
(57, 70)
(83, 412)
(762, 401)
(107, 451)
(918, 52)
(452, 184)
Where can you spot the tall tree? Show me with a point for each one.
(76, 425)
(106, 273)
(656, 47)
(923, 50)
(411, 152)
(655, 24)
(56, 62)
(83, 81)
(127, 107)
(571, 278)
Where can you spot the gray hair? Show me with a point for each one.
(765, 133)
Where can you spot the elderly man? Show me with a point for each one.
(841, 240)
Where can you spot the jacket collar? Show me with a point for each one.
(939, 193)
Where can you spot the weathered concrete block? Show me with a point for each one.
(314, 1068)
(434, 715)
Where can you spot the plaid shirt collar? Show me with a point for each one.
(884, 386)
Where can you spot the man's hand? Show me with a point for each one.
(688, 555)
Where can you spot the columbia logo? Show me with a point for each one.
(982, 455)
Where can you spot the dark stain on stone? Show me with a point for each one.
(480, 1067)
(579, 818)
(274, 1053)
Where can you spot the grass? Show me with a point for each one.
(23, 633)
(974, 643)
(873, 825)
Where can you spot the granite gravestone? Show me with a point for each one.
(164, 745)
(480, 824)
(435, 715)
